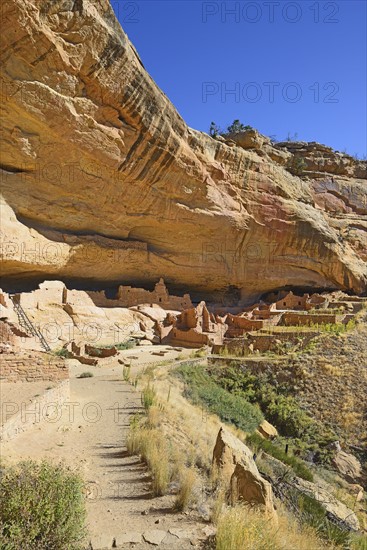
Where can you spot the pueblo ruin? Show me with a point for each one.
(41, 320)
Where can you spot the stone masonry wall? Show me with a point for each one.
(129, 296)
(32, 366)
(290, 319)
(36, 412)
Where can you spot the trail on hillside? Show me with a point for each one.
(89, 433)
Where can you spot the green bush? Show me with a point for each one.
(126, 345)
(299, 467)
(278, 407)
(126, 373)
(296, 166)
(201, 389)
(282, 410)
(86, 375)
(42, 507)
(358, 541)
(63, 352)
(148, 397)
(121, 345)
(235, 128)
(314, 514)
(334, 328)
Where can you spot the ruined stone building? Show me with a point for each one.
(301, 303)
(129, 296)
(238, 325)
(194, 327)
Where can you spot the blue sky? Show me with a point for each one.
(293, 67)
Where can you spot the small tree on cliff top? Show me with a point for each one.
(235, 128)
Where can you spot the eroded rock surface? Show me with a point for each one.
(348, 466)
(337, 510)
(100, 175)
(237, 468)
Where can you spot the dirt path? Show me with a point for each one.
(89, 433)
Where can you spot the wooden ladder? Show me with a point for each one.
(27, 324)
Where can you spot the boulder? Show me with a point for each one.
(358, 491)
(229, 450)
(347, 466)
(267, 430)
(145, 343)
(237, 469)
(249, 139)
(336, 510)
(247, 486)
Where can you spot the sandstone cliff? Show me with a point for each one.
(103, 180)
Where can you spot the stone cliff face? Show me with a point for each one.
(102, 180)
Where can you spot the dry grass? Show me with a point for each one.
(332, 370)
(187, 480)
(134, 440)
(158, 463)
(242, 528)
(188, 432)
(151, 445)
(192, 430)
(359, 542)
(238, 528)
(154, 417)
(126, 373)
(218, 505)
(187, 458)
(177, 440)
(349, 414)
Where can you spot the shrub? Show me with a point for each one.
(148, 397)
(214, 130)
(236, 127)
(296, 166)
(63, 352)
(126, 345)
(315, 515)
(126, 373)
(298, 466)
(41, 507)
(334, 328)
(279, 408)
(86, 375)
(201, 389)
